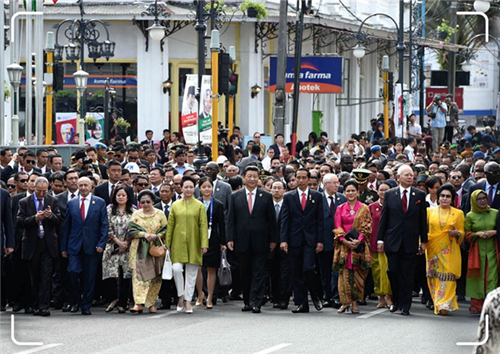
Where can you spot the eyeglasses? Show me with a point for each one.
(11, 186)
(118, 156)
(456, 177)
(132, 158)
(481, 199)
(142, 184)
(23, 180)
(30, 161)
(445, 196)
(144, 172)
(145, 202)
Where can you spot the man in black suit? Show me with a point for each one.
(302, 237)
(251, 231)
(252, 160)
(25, 163)
(403, 224)
(151, 157)
(105, 190)
(7, 240)
(39, 216)
(149, 138)
(278, 144)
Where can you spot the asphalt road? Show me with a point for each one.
(226, 329)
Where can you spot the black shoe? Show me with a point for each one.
(423, 301)
(431, 307)
(17, 308)
(43, 313)
(362, 302)
(256, 309)
(318, 305)
(56, 305)
(327, 304)
(74, 308)
(414, 294)
(373, 297)
(28, 311)
(236, 297)
(109, 309)
(405, 312)
(301, 309)
(225, 299)
(66, 308)
(164, 306)
(246, 308)
(276, 306)
(86, 312)
(283, 306)
(337, 305)
(214, 301)
(393, 308)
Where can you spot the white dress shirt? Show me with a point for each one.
(76, 195)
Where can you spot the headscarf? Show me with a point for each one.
(473, 201)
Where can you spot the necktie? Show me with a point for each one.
(41, 232)
(332, 205)
(490, 196)
(166, 211)
(179, 197)
(404, 202)
(82, 209)
(277, 208)
(72, 195)
(303, 202)
(112, 189)
(250, 202)
(155, 189)
(22, 169)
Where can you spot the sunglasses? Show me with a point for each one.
(132, 158)
(142, 184)
(30, 161)
(23, 180)
(445, 196)
(118, 156)
(11, 186)
(145, 202)
(456, 177)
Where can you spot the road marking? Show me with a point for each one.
(34, 350)
(162, 315)
(373, 313)
(273, 349)
(14, 340)
(486, 334)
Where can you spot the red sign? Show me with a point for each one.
(430, 92)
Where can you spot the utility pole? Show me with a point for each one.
(230, 108)
(39, 64)
(214, 49)
(280, 96)
(49, 47)
(451, 54)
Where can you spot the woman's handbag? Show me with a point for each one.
(156, 250)
(224, 271)
(353, 235)
(167, 272)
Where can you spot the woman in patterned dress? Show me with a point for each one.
(116, 274)
(146, 226)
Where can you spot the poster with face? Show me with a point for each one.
(94, 135)
(189, 117)
(205, 114)
(66, 127)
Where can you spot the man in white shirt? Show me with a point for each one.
(410, 149)
(415, 130)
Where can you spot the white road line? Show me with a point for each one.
(373, 313)
(273, 349)
(162, 315)
(43, 347)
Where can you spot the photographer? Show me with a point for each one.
(436, 111)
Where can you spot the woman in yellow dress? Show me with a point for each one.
(446, 233)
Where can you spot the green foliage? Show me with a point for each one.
(120, 122)
(64, 93)
(444, 27)
(258, 7)
(218, 4)
(90, 120)
(7, 92)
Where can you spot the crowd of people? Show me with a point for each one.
(382, 219)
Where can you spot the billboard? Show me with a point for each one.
(189, 116)
(66, 128)
(317, 74)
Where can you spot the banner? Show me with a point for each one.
(317, 74)
(66, 127)
(205, 114)
(430, 92)
(189, 116)
(92, 137)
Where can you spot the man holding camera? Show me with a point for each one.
(436, 111)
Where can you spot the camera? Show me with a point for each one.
(87, 161)
(432, 115)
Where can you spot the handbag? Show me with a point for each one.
(353, 235)
(224, 271)
(156, 250)
(167, 272)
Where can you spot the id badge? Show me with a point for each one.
(209, 232)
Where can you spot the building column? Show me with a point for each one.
(152, 103)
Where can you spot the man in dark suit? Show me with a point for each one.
(491, 186)
(251, 231)
(329, 279)
(403, 224)
(39, 217)
(25, 163)
(302, 237)
(105, 190)
(278, 144)
(7, 240)
(83, 241)
(149, 138)
(252, 160)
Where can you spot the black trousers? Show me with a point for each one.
(448, 133)
(19, 284)
(400, 271)
(274, 266)
(420, 277)
(325, 268)
(60, 282)
(40, 270)
(167, 292)
(117, 288)
(253, 276)
(461, 282)
(233, 260)
(302, 263)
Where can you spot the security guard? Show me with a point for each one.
(366, 195)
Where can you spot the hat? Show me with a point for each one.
(132, 167)
(361, 175)
(422, 178)
(178, 152)
(263, 174)
(453, 146)
(221, 159)
(478, 155)
(375, 148)
(496, 150)
(110, 151)
(488, 129)
(391, 182)
(100, 146)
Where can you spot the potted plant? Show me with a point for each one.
(254, 9)
(7, 92)
(121, 126)
(218, 5)
(91, 122)
(65, 94)
(445, 31)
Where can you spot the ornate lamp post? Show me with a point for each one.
(156, 31)
(81, 78)
(15, 72)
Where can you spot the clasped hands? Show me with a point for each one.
(42, 214)
(485, 234)
(352, 244)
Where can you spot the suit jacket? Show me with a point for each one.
(249, 161)
(481, 185)
(7, 226)
(328, 218)
(251, 231)
(145, 142)
(85, 235)
(397, 229)
(15, 207)
(9, 171)
(26, 220)
(102, 191)
(276, 149)
(300, 227)
(155, 165)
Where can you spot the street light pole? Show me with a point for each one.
(15, 72)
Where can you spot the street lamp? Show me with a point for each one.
(44, 88)
(15, 72)
(156, 31)
(81, 78)
(481, 6)
(359, 51)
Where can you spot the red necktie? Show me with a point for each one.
(303, 201)
(250, 202)
(179, 197)
(22, 169)
(82, 209)
(404, 202)
(72, 195)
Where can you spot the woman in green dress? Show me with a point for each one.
(187, 239)
(146, 226)
(482, 267)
